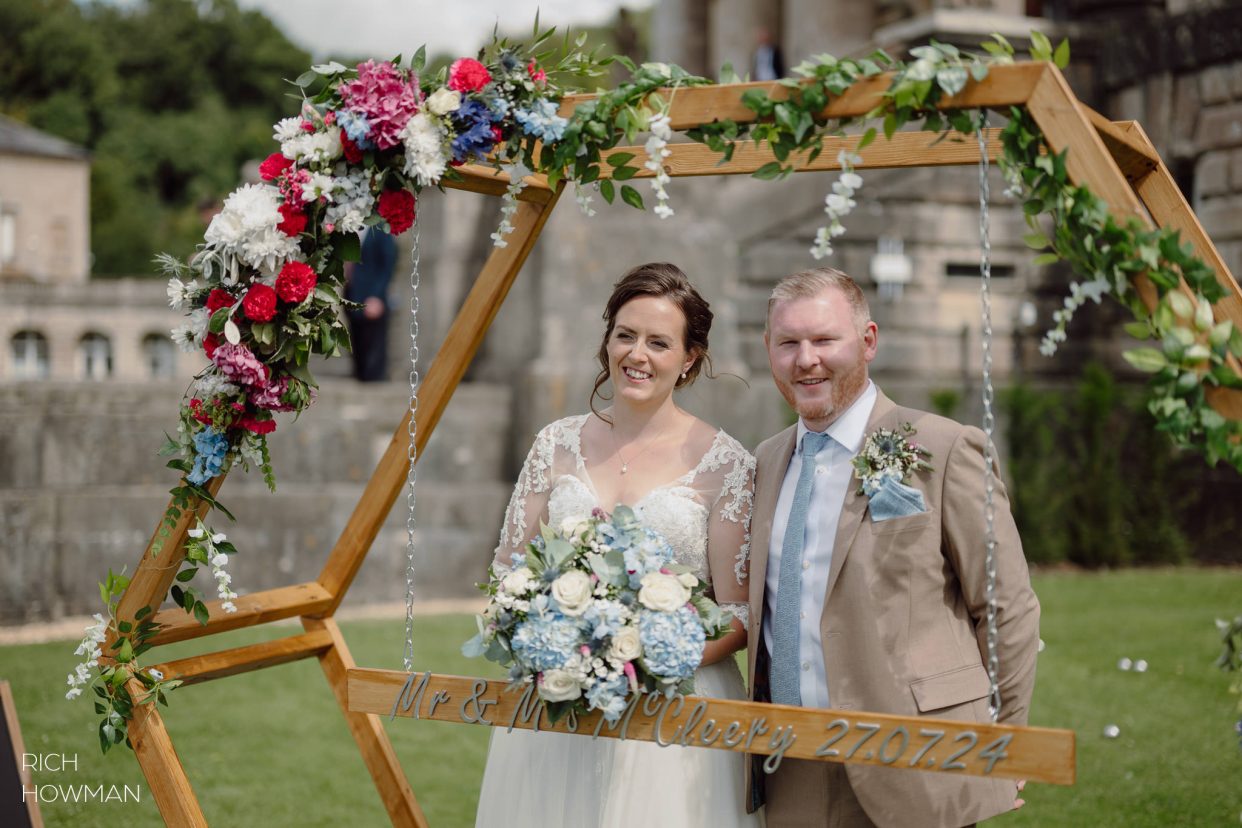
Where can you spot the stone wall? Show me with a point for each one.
(82, 488)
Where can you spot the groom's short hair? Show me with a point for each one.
(807, 283)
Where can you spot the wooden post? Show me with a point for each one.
(460, 345)
(158, 758)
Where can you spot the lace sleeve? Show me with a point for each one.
(529, 502)
(728, 528)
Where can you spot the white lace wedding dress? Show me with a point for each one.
(553, 779)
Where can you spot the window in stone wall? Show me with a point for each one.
(28, 351)
(161, 356)
(8, 239)
(95, 357)
(970, 270)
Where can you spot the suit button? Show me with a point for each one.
(821, 470)
(806, 666)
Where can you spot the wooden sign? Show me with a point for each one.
(19, 807)
(772, 730)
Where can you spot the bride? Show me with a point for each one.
(685, 479)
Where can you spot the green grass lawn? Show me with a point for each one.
(270, 748)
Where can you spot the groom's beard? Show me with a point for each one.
(844, 388)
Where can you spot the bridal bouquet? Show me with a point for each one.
(595, 610)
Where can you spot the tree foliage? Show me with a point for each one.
(170, 96)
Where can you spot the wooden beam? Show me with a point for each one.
(154, 575)
(256, 608)
(160, 764)
(1169, 208)
(904, 149)
(1134, 159)
(481, 178)
(232, 662)
(693, 106)
(460, 345)
(368, 731)
(1035, 753)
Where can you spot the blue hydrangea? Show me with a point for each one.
(608, 696)
(648, 554)
(357, 127)
(499, 107)
(541, 120)
(210, 448)
(672, 642)
(473, 122)
(545, 642)
(518, 559)
(604, 618)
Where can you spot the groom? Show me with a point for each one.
(875, 602)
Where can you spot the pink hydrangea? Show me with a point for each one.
(240, 365)
(385, 96)
(269, 396)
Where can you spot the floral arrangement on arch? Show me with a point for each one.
(594, 611)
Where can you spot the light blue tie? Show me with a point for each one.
(786, 624)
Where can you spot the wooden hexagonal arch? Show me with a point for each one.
(1115, 160)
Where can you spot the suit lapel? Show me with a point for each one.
(855, 506)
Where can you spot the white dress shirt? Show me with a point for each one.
(833, 477)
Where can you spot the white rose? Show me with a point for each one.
(518, 581)
(571, 526)
(663, 593)
(559, 685)
(626, 645)
(572, 591)
(443, 101)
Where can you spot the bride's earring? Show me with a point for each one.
(683, 374)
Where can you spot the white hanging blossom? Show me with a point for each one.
(90, 647)
(1080, 292)
(583, 198)
(209, 543)
(657, 150)
(508, 202)
(838, 204)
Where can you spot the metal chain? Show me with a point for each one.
(412, 455)
(989, 419)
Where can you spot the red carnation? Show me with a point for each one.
(210, 343)
(219, 298)
(292, 220)
(196, 411)
(259, 303)
(295, 282)
(397, 208)
(468, 75)
(351, 151)
(536, 74)
(274, 166)
(256, 425)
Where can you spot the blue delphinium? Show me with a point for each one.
(357, 127)
(210, 448)
(473, 122)
(608, 696)
(541, 120)
(546, 641)
(672, 642)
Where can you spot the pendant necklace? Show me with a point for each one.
(625, 464)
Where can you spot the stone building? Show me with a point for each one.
(80, 488)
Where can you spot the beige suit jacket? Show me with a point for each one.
(904, 624)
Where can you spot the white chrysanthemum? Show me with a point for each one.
(313, 147)
(286, 128)
(424, 149)
(268, 250)
(249, 209)
(319, 185)
(351, 221)
(177, 291)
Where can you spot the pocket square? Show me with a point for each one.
(894, 499)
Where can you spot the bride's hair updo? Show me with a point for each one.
(665, 281)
